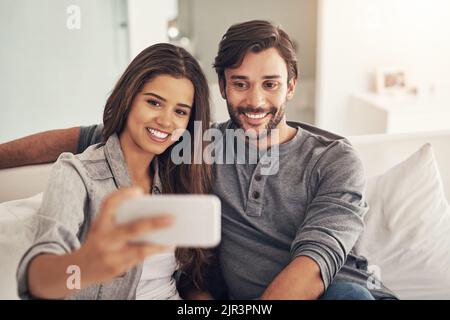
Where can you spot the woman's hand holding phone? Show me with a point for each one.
(108, 251)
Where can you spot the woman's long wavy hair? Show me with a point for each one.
(167, 59)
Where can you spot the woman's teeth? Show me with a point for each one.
(158, 134)
(255, 116)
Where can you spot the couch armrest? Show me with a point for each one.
(23, 182)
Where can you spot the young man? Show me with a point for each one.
(288, 233)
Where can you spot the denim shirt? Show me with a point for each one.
(77, 186)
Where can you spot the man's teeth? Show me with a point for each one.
(256, 116)
(157, 133)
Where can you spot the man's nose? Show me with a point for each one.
(255, 97)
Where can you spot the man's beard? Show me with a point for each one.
(277, 116)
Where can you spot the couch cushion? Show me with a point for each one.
(23, 182)
(407, 236)
(17, 221)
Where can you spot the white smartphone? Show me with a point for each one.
(197, 219)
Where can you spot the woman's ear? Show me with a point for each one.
(291, 88)
(222, 88)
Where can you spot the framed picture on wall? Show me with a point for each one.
(391, 80)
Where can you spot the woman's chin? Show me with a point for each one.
(155, 150)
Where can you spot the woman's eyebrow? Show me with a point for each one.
(155, 95)
(163, 99)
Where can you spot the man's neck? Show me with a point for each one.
(286, 133)
(278, 136)
(283, 133)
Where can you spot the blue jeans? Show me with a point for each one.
(342, 290)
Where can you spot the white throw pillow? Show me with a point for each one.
(407, 236)
(17, 227)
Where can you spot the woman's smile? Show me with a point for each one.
(158, 135)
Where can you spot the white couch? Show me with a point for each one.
(378, 153)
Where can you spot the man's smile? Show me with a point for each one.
(255, 118)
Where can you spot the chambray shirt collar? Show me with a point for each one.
(116, 161)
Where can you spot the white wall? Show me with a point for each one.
(357, 36)
(147, 22)
(209, 20)
(50, 76)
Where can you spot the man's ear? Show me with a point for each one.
(222, 88)
(291, 88)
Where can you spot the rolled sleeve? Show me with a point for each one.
(334, 217)
(89, 135)
(22, 270)
(312, 251)
(58, 220)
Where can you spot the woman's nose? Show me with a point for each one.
(164, 119)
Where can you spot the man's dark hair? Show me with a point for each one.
(254, 36)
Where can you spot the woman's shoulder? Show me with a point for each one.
(94, 152)
(92, 163)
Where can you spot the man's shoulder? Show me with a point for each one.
(323, 144)
(318, 135)
(89, 135)
(330, 155)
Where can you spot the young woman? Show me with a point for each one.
(162, 91)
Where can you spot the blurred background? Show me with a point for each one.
(366, 66)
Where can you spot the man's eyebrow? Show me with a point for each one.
(163, 99)
(272, 77)
(238, 77)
